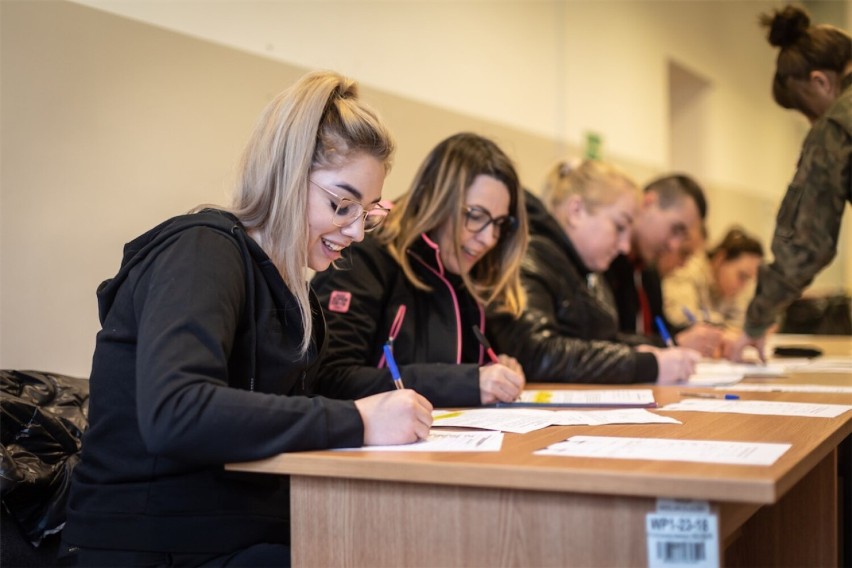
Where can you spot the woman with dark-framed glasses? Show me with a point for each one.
(417, 286)
(210, 344)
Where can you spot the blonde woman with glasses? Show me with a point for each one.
(405, 301)
(210, 344)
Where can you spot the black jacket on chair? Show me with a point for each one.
(569, 330)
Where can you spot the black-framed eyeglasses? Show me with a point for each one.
(476, 219)
(346, 211)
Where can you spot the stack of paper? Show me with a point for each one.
(713, 373)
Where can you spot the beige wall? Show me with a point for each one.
(110, 125)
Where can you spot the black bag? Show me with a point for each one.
(827, 315)
(41, 425)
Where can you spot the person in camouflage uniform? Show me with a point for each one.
(814, 77)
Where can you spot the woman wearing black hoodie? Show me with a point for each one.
(209, 346)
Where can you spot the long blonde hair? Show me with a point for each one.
(318, 122)
(437, 195)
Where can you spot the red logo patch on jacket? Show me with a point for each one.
(339, 301)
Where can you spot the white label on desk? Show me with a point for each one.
(682, 506)
(682, 540)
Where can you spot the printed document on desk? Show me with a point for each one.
(523, 420)
(663, 449)
(765, 407)
(589, 398)
(837, 364)
(711, 373)
(790, 388)
(516, 420)
(445, 442)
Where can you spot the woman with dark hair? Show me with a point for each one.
(451, 246)
(710, 286)
(814, 77)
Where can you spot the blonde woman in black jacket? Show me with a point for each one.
(451, 246)
(209, 348)
(569, 331)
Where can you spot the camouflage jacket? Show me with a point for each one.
(808, 222)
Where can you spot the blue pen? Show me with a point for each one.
(709, 395)
(397, 380)
(690, 317)
(664, 332)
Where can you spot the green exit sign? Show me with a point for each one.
(594, 143)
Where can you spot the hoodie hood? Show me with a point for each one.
(142, 247)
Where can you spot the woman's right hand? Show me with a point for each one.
(396, 417)
(675, 364)
(702, 337)
(497, 382)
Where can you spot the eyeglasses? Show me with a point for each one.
(346, 211)
(476, 219)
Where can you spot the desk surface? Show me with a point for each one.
(427, 508)
(516, 467)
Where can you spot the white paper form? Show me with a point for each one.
(791, 388)
(710, 373)
(445, 442)
(761, 407)
(589, 397)
(820, 365)
(517, 420)
(707, 379)
(664, 449)
(523, 420)
(601, 417)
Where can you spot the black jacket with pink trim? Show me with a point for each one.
(433, 342)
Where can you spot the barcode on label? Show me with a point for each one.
(681, 552)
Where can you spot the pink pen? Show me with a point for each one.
(484, 342)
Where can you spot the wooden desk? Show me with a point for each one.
(512, 508)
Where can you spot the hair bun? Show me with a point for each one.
(787, 26)
(569, 165)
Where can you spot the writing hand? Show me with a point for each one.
(702, 337)
(397, 417)
(675, 364)
(511, 362)
(499, 383)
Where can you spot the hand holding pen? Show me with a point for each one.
(395, 417)
(502, 359)
(391, 362)
(501, 381)
(664, 332)
(706, 319)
